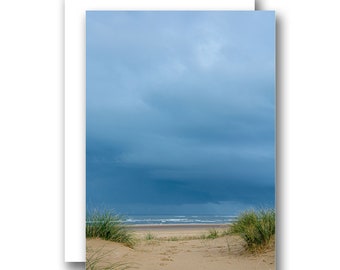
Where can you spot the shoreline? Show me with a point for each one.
(194, 226)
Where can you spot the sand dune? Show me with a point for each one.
(178, 248)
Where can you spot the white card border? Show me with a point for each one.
(74, 178)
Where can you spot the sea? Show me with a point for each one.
(178, 219)
(222, 213)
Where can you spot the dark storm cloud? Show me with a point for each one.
(180, 107)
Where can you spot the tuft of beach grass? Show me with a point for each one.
(213, 234)
(149, 236)
(257, 228)
(108, 226)
(99, 260)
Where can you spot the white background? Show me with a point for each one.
(31, 134)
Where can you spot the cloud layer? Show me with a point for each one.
(180, 107)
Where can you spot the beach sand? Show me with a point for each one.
(179, 247)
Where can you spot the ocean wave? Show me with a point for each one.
(179, 219)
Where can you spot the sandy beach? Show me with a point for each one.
(180, 247)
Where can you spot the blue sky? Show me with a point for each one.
(180, 110)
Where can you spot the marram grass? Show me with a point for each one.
(149, 236)
(107, 226)
(99, 260)
(213, 234)
(257, 228)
